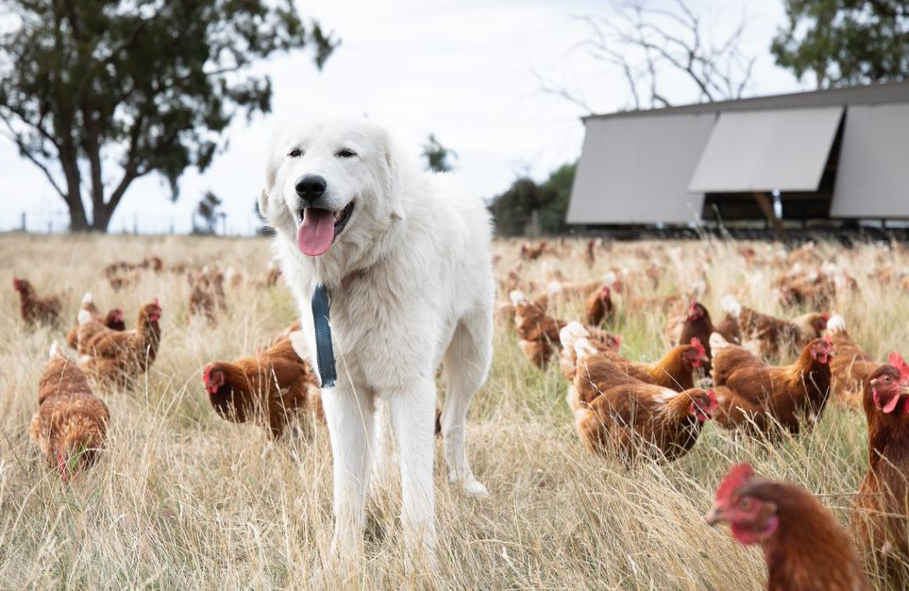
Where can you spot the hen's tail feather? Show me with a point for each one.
(731, 306)
(583, 348)
(570, 334)
(517, 297)
(836, 324)
(717, 341)
(84, 317)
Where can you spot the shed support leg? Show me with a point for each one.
(766, 205)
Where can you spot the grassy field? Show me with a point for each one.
(184, 500)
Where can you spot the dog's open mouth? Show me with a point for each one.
(318, 228)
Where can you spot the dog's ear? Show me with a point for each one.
(393, 182)
(271, 173)
(272, 164)
(263, 204)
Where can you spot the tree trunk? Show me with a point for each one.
(101, 217)
(77, 220)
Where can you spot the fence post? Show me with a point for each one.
(23, 222)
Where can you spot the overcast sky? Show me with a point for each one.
(467, 71)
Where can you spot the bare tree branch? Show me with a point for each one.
(643, 45)
(17, 139)
(562, 92)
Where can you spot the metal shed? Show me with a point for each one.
(840, 153)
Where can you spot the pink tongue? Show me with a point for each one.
(316, 232)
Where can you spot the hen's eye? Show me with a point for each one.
(295, 153)
(745, 503)
(345, 153)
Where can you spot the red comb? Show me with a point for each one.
(696, 343)
(825, 316)
(734, 479)
(206, 374)
(896, 360)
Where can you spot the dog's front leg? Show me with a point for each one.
(413, 423)
(349, 415)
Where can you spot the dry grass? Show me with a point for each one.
(185, 500)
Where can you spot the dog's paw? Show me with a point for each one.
(472, 486)
(476, 489)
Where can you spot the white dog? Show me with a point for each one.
(405, 258)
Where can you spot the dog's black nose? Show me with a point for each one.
(311, 187)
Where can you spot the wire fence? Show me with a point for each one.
(58, 222)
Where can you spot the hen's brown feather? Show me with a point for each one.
(275, 384)
(71, 422)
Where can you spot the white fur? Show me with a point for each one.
(610, 278)
(411, 286)
(87, 298)
(836, 324)
(54, 349)
(730, 305)
(84, 317)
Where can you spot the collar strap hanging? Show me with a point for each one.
(325, 356)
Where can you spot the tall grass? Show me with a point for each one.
(184, 500)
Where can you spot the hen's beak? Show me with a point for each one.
(904, 389)
(714, 516)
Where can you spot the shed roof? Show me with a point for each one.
(783, 149)
(871, 94)
(872, 179)
(637, 171)
(643, 167)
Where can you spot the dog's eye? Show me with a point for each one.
(295, 153)
(345, 153)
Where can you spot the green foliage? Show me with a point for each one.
(514, 209)
(208, 211)
(845, 42)
(437, 156)
(143, 85)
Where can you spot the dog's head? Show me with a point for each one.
(331, 183)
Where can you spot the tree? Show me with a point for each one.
(525, 201)
(437, 155)
(209, 211)
(644, 45)
(138, 86)
(845, 42)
